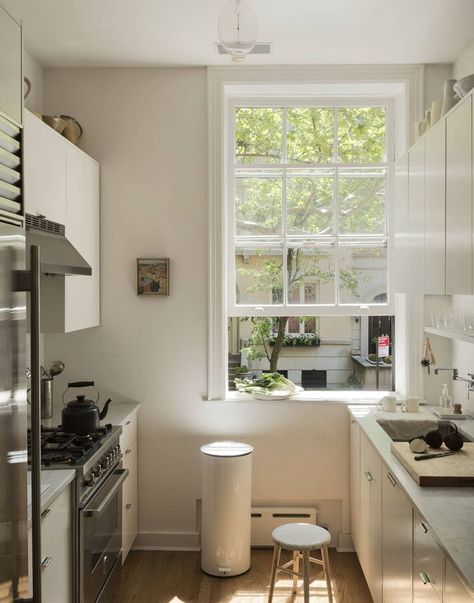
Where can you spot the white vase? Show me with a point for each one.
(428, 118)
(436, 108)
(450, 98)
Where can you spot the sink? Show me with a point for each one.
(402, 430)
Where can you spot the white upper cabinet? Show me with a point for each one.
(414, 270)
(44, 170)
(435, 211)
(458, 200)
(62, 184)
(11, 90)
(401, 251)
(82, 293)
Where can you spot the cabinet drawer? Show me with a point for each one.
(428, 560)
(129, 431)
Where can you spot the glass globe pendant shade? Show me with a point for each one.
(238, 29)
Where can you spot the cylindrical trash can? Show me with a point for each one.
(226, 508)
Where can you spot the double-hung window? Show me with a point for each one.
(308, 188)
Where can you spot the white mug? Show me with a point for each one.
(388, 404)
(411, 405)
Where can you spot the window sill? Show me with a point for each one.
(337, 396)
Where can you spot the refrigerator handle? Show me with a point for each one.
(30, 281)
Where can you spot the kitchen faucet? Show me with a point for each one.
(456, 377)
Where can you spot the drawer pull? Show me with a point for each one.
(423, 527)
(128, 506)
(46, 561)
(45, 513)
(425, 578)
(392, 480)
(128, 451)
(369, 476)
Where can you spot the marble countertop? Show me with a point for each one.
(118, 411)
(52, 484)
(449, 511)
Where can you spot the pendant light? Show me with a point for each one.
(237, 29)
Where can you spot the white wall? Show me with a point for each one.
(464, 64)
(148, 129)
(34, 72)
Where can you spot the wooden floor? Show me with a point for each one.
(176, 577)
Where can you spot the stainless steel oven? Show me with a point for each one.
(100, 526)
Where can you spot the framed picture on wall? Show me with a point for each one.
(153, 276)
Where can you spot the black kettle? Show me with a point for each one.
(82, 416)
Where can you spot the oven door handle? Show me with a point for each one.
(118, 476)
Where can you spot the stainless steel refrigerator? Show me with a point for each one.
(16, 283)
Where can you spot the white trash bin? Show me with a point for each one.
(226, 508)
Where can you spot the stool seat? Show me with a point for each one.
(300, 537)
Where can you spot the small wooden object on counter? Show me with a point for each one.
(457, 409)
(453, 471)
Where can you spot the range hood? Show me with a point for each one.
(58, 255)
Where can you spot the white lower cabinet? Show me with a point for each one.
(370, 527)
(428, 563)
(56, 550)
(397, 541)
(400, 559)
(454, 590)
(128, 444)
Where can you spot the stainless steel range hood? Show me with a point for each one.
(58, 254)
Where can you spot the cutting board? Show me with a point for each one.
(453, 471)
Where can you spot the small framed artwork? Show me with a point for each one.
(153, 276)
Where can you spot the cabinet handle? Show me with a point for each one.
(369, 476)
(425, 578)
(128, 506)
(392, 480)
(128, 423)
(45, 513)
(423, 527)
(46, 561)
(128, 451)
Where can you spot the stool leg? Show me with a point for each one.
(296, 567)
(306, 575)
(275, 563)
(327, 571)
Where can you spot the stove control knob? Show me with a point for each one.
(107, 462)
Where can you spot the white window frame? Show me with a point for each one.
(331, 309)
(404, 83)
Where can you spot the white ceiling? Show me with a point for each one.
(182, 32)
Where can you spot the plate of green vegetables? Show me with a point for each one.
(270, 386)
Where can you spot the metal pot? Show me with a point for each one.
(82, 416)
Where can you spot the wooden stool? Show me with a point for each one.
(301, 538)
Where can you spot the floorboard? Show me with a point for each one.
(176, 577)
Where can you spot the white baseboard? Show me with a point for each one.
(344, 543)
(167, 541)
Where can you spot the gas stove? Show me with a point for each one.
(92, 456)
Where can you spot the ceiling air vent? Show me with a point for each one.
(263, 48)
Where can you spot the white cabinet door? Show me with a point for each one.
(44, 170)
(56, 550)
(455, 591)
(397, 541)
(11, 90)
(129, 446)
(435, 211)
(428, 563)
(82, 293)
(355, 482)
(370, 536)
(401, 251)
(414, 269)
(458, 200)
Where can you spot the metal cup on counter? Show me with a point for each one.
(47, 390)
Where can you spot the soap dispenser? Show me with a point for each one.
(445, 400)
